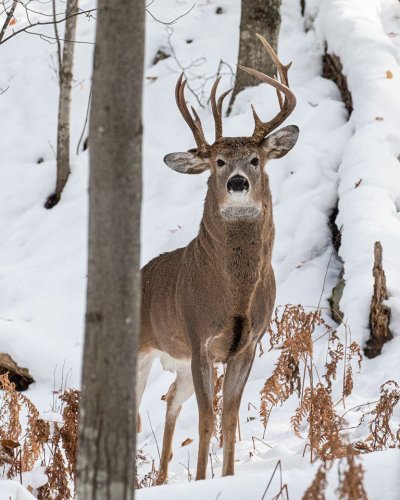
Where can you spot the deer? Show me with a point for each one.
(211, 301)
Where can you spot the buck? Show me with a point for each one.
(211, 301)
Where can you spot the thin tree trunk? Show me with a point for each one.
(263, 17)
(106, 455)
(64, 105)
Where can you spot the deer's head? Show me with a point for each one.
(238, 179)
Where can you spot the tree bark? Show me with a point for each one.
(379, 318)
(106, 456)
(263, 17)
(64, 104)
(16, 374)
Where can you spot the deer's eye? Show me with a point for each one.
(254, 161)
(220, 163)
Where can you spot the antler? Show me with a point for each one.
(217, 108)
(261, 129)
(194, 123)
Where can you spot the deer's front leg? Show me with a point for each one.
(237, 372)
(202, 371)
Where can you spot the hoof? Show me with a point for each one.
(161, 478)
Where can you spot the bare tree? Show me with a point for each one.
(66, 62)
(263, 17)
(107, 421)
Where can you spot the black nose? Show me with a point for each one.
(238, 183)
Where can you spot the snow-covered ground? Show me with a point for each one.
(43, 253)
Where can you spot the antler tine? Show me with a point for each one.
(194, 124)
(214, 107)
(221, 100)
(197, 120)
(261, 129)
(217, 108)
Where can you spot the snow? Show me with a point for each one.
(10, 490)
(43, 253)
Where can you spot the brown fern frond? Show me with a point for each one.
(69, 430)
(351, 480)
(381, 430)
(316, 490)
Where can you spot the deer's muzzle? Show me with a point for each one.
(237, 183)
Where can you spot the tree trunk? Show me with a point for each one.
(263, 17)
(106, 455)
(64, 105)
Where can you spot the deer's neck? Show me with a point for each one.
(236, 251)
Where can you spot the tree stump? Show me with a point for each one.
(19, 376)
(380, 314)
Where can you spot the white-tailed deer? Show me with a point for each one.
(211, 301)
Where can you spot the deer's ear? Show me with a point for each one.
(187, 163)
(281, 142)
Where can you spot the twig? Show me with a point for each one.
(261, 441)
(278, 465)
(168, 23)
(326, 274)
(155, 439)
(86, 121)
(170, 32)
(211, 465)
(187, 467)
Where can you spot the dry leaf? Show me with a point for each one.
(187, 442)
(9, 443)
(379, 118)
(12, 21)
(389, 74)
(358, 182)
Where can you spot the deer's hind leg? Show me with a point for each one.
(145, 360)
(180, 391)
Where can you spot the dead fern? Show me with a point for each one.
(324, 423)
(351, 480)
(26, 439)
(292, 334)
(382, 435)
(316, 490)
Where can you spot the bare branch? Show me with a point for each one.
(47, 23)
(168, 23)
(8, 19)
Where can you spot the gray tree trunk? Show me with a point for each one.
(64, 104)
(263, 17)
(106, 455)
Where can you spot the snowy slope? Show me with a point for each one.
(43, 253)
